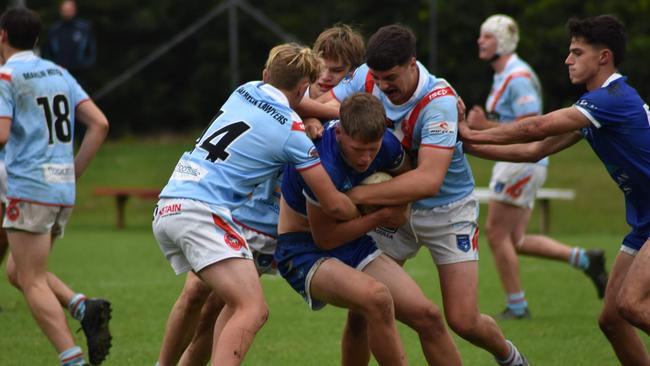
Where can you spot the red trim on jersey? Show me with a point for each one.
(308, 167)
(438, 146)
(81, 102)
(6, 77)
(499, 93)
(369, 84)
(231, 238)
(38, 203)
(252, 229)
(407, 126)
(298, 126)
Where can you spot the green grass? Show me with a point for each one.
(128, 268)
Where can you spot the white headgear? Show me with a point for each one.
(505, 30)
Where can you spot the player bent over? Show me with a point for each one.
(334, 262)
(39, 102)
(254, 134)
(340, 50)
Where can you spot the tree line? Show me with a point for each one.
(182, 90)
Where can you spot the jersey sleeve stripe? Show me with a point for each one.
(505, 84)
(302, 169)
(589, 116)
(81, 102)
(438, 146)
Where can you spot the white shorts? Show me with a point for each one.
(3, 182)
(36, 218)
(262, 246)
(516, 183)
(450, 232)
(194, 234)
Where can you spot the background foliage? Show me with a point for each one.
(185, 87)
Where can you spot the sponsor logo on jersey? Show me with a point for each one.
(298, 126)
(440, 128)
(171, 209)
(58, 173)
(189, 171)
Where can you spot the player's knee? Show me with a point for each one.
(12, 275)
(195, 294)
(259, 314)
(426, 317)
(379, 302)
(630, 309)
(463, 325)
(495, 234)
(609, 320)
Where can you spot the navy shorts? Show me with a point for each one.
(298, 258)
(634, 240)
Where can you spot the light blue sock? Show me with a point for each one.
(77, 306)
(517, 303)
(72, 357)
(578, 258)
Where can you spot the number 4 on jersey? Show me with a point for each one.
(217, 143)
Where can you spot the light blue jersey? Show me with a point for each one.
(262, 211)
(255, 133)
(429, 119)
(40, 98)
(516, 93)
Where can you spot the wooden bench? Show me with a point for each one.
(122, 195)
(544, 197)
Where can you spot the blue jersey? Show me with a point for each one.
(40, 98)
(620, 136)
(294, 189)
(429, 119)
(516, 93)
(254, 135)
(261, 212)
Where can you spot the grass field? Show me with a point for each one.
(127, 267)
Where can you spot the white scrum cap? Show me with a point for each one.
(505, 30)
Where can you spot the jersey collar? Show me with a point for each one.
(22, 56)
(274, 93)
(611, 79)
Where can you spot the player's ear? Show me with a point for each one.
(265, 76)
(606, 56)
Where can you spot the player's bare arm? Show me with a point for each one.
(97, 129)
(5, 128)
(315, 108)
(329, 233)
(334, 203)
(529, 129)
(423, 181)
(528, 152)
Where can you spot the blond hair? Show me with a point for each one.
(363, 117)
(289, 63)
(342, 43)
